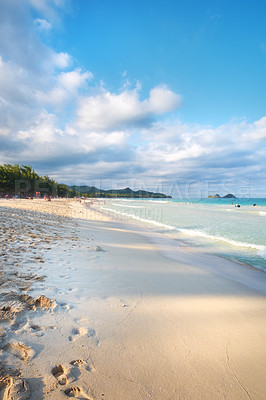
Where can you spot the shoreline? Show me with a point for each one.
(76, 210)
(186, 235)
(181, 245)
(135, 315)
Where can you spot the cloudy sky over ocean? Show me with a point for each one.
(114, 91)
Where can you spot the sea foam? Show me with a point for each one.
(195, 233)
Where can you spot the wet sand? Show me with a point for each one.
(95, 309)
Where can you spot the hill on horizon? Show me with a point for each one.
(93, 191)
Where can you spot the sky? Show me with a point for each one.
(167, 95)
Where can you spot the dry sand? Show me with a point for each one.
(94, 309)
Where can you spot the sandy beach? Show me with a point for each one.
(96, 309)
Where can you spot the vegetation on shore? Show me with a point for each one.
(23, 181)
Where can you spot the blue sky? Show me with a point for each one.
(145, 91)
(212, 52)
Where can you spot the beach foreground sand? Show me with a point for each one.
(95, 309)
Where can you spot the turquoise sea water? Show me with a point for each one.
(242, 201)
(215, 225)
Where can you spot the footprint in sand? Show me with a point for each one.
(19, 350)
(77, 332)
(13, 389)
(77, 363)
(76, 391)
(36, 328)
(91, 332)
(59, 373)
(73, 391)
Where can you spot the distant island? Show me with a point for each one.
(23, 181)
(217, 196)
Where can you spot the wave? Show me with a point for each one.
(124, 206)
(125, 200)
(262, 212)
(150, 221)
(196, 233)
(193, 232)
(159, 201)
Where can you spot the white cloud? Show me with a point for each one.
(259, 131)
(163, 100)
(64, 88)
(107, 110)
(232, 149)
(74, 80)
(61, 60)
(42, 130)
(14, 86)
(95, 141)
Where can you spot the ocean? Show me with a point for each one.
(214, 225)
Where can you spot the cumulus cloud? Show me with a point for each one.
(257, 134)
(108, 110)
(73, 80)
(64, 87)
(162, 100)
(232, 149)
(61, 60)
(32, 75)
